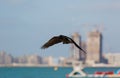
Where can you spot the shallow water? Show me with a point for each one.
(45, 72)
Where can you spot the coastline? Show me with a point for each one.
(31, 65)
(43, 65)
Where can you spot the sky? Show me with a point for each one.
(25, 25)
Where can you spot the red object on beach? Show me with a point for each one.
(105, 73)
(109, 73)
(99, 73)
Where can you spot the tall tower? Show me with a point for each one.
(94, 47)
(76, 52)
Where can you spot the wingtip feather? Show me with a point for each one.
(42, 47)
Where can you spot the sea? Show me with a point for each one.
(46, 72)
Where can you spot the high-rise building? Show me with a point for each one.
(5, 58)
(48, 60)
(75, 51)
(83, 55)
(94, 47)
(34, 59)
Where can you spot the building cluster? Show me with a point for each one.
(93, 47)
(26, 60)
(113, 58)
(7, 59)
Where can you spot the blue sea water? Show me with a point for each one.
(45, 72)
(33, 72)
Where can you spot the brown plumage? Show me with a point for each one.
(58, 39)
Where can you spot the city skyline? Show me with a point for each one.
(93, 47)
(110, 59)
(25, 25)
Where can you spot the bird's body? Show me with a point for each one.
(58, 39)
(64, 39)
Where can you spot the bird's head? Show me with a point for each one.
(61, 36)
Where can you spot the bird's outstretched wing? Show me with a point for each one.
(51, 42)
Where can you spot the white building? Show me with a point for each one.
(113, 58)
(34, 59)
(5, 58)
(94, 47)
(48, 61)
(76, 54)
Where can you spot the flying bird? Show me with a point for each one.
(58, 39)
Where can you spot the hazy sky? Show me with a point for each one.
(25, 25)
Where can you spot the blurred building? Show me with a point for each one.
(65, 61)
(29, 59)
(5, 58)
(48, 61)
(76, 54)
(113, 58)
(34, 59)
(21, 60)
(62, 61)
(83, 55)
(94, 47)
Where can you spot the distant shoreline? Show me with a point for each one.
(31, 65)
(39, 65)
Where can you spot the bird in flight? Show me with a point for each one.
(58, 39)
